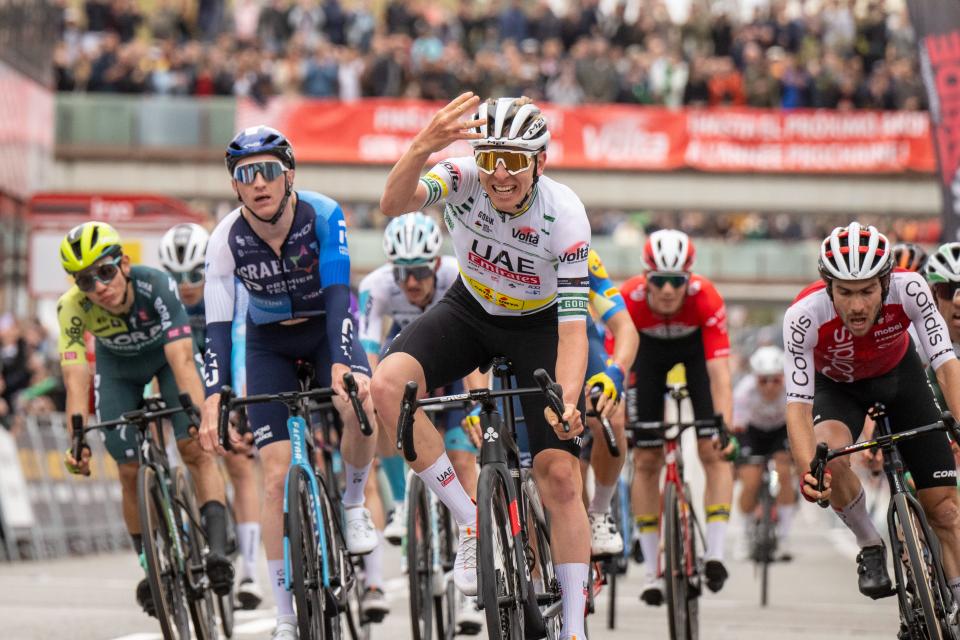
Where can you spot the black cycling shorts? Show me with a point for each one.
(910, 403)
(763, 442)
(645, 398)
(456, 336)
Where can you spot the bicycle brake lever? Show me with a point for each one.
(223, 419)
(553, 393)
(605, 425)
(405, 422)
(190, 409)
(350, 383)
(818, 467)
(79, 441)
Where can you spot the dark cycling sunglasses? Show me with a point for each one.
(946, 290)
(675, 280)
(194, 276)
(270, 170)
(104, 274)
(419, 273)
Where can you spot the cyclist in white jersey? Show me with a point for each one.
(521, 241)
(847, 347)
(760, 422)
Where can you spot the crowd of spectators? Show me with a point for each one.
(790, 53)
(29, 375)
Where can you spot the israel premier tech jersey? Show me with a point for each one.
(309, 278)
(520, 264)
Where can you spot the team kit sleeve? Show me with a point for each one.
(920, 307)
(799, 339)
(713, 314)
(73, 349)
(371, 315)
(448, 180)
(177, 326)
(335, 277)
(219, 300)
(571, 245)
(605, 298)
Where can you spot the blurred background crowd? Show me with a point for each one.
(29, 371)
(836, 54)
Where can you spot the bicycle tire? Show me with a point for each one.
(918, 570)
(543, 556)
(766, 543)
(692, 533)
(166, 587)
(612, 565)
(675, 574)
(499, 578)
(420, 560)
(344, 582)
(200, 596)
(304, 561)
(445, 604)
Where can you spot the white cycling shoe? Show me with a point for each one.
(361, 536)
(285, 631)
(469, 618)
(396, 528)
(465, 566)
(605, 540)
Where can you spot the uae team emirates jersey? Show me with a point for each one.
(816, 340)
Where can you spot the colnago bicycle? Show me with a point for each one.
(681, 534)
(318, 567)
(927, 607)
(763, 537)
(519, 591)
(174, 542)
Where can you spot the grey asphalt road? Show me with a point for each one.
(813, 597)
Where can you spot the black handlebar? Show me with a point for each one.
(405, 423)
(553, 393)
(350, 383)
(606, 427)
(223, 417)
(79, 442)
(818, 467)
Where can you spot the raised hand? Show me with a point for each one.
(451, 123)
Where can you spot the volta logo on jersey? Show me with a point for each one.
(527, 235)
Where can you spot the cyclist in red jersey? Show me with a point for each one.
(847, 346)
(681, 318)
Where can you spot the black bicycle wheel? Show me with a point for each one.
(200, 594)
(692, 534)
(919, 568)
(765, 543)
(419, 559)
(611, 566)
(674, 571)
(345, 585)
(225, 603)
(304, 561)
(499, 574)
(159, 547)
(544, 577)
(445, 603)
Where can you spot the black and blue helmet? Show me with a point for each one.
(259, 140)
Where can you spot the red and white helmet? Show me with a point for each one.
(855, 252)
(668, 250)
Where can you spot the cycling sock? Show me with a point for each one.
(442, 479)
(213, 517)
(785, 515)
(649, 534)
(137, 540)
(955, 587)
(282, 597)
(855, 516)
(356, 481)
(602, 495)
(373, 564)
(396, 472)
(718, 517)
(573, 589)
(248, 535)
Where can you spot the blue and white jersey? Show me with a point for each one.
(381, 297)
(238, 357)
(309, 278)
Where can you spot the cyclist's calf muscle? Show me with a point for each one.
(942, 507)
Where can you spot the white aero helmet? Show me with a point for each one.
(767, 361)
(412, 238)
(943, 265)
(855, 252)
(511, 123)
(183, 247)
(668, 250)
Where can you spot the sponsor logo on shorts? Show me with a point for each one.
(945, 473)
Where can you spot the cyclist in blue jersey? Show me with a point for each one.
(289, 249)
(183, 249)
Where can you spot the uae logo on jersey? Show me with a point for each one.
(527, 235)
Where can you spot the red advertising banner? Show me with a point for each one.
(627, 137)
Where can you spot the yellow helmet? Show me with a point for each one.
(86, 243)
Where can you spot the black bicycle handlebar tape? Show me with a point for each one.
(818, 467)
(605, 425)
(554, 397)
(190, 409)
(79, 442)
(405, 424)
(350, 383)
(223, 419)
(722, 432)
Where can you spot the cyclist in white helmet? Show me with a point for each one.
(759, 420)
(942, 270)
(183, 250)
(847, 347)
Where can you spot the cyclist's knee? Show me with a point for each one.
(558, 480)
(647, 463)
(944, 511)
(192, 454)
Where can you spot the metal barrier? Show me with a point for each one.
(60, 514)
